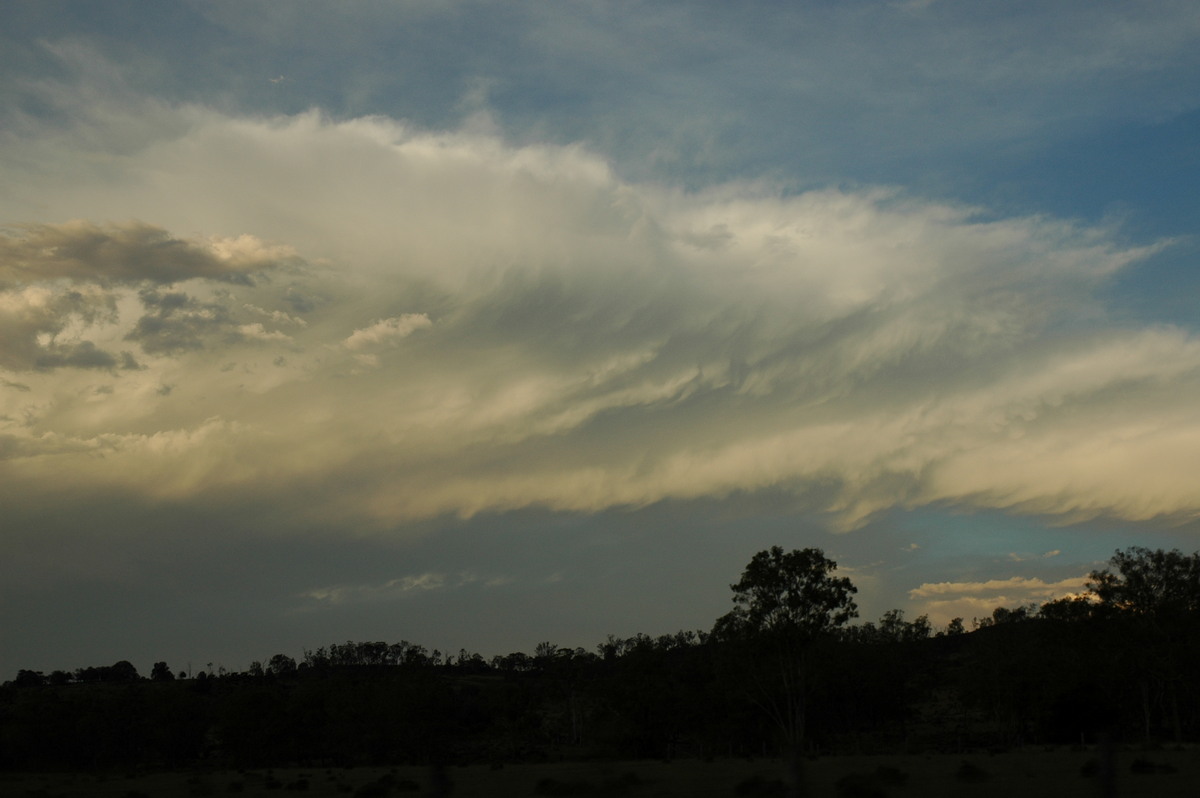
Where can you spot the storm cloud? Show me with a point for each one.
(130, 252)
(504, 327)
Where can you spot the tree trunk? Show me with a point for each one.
(1146, 709)
(1175, 721)
(797, 788)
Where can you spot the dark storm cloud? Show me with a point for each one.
(83, 355)
(129, 253)
(33, 317)
(177, 322)
(62, 282)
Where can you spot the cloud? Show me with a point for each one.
(598, 343)
(82, 355)
(1026, 557)
(176, 322)
(394, 589)
(256, 332)
(277, 316)
(131, 252)
(387, 331)
(943, 601)
(1015, 584)
(61, 285)
(40, 327)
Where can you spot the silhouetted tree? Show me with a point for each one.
(792, 593)
(1149, 583)
(1069, 609)
(29, 679)
(813, 683)
(281, 664)
(1155, 598)
(785, 602)
(124, 671)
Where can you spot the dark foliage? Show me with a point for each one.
(971, 773)
(760, 787)
(1116, 666)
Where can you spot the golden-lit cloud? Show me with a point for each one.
(131, 252)
(450, 324)
(386, 331)
(943, 601)
(61, 286)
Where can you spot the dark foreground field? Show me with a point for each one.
(1026, 774)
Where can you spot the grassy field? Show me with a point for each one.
(1027, 774)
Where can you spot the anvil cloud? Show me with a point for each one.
(515, 326)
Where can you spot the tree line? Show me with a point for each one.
(786, 672)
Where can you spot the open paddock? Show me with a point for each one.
(1029, 774)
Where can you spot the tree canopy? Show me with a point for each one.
(1146, 582)
(793, 592)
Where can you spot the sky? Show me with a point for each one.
(482, 324)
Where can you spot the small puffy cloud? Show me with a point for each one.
(277, 316)
(130, 252)
(256, 332)
(387, 332)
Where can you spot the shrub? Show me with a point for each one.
(859, 785)
(892, 777)
(548, 786)
(1144, 767)
(970, 772)
(758, 787)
